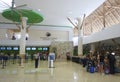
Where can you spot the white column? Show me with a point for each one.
(23, 40)
(80, 38)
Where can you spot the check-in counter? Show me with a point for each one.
(76, 59)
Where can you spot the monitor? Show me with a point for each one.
(2, 48)
(45, 48)
(33, 48)
(15, 48)
(39, 48)
(28, 48)
(9, 48)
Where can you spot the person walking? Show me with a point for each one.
(36, 60)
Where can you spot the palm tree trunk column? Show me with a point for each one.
(23, 40)
(80, 38)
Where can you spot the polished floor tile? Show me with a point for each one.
(63, 72)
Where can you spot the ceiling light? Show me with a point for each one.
(39, 9)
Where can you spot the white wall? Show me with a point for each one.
(108, 33)
(35, 34)
(9, 42)
(38, 35)
(2, 34)
(6, 42)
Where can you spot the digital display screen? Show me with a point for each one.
(33, 48)
(28, 48)
(15, 48)
(45, 48)
(2, 48)
(9, 48)
(39, 48)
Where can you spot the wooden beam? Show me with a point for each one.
(117, 11)
(116, 6)
(97, 16)
(107, 22)
(104, 25)
(115, 18)
(91, 26)
(112, 7)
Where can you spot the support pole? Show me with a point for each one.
(80, 38)
(23, 40)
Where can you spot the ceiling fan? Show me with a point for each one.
(12, 6)
(11, 10)
(15, 14)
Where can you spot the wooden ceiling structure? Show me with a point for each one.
(104, 16)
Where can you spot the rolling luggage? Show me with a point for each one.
(92, 70)
(89, 65)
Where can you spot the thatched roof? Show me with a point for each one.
(104, 16)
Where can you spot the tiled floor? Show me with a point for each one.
(63, 72)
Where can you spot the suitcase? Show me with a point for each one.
(92, 70)
(89, 64)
